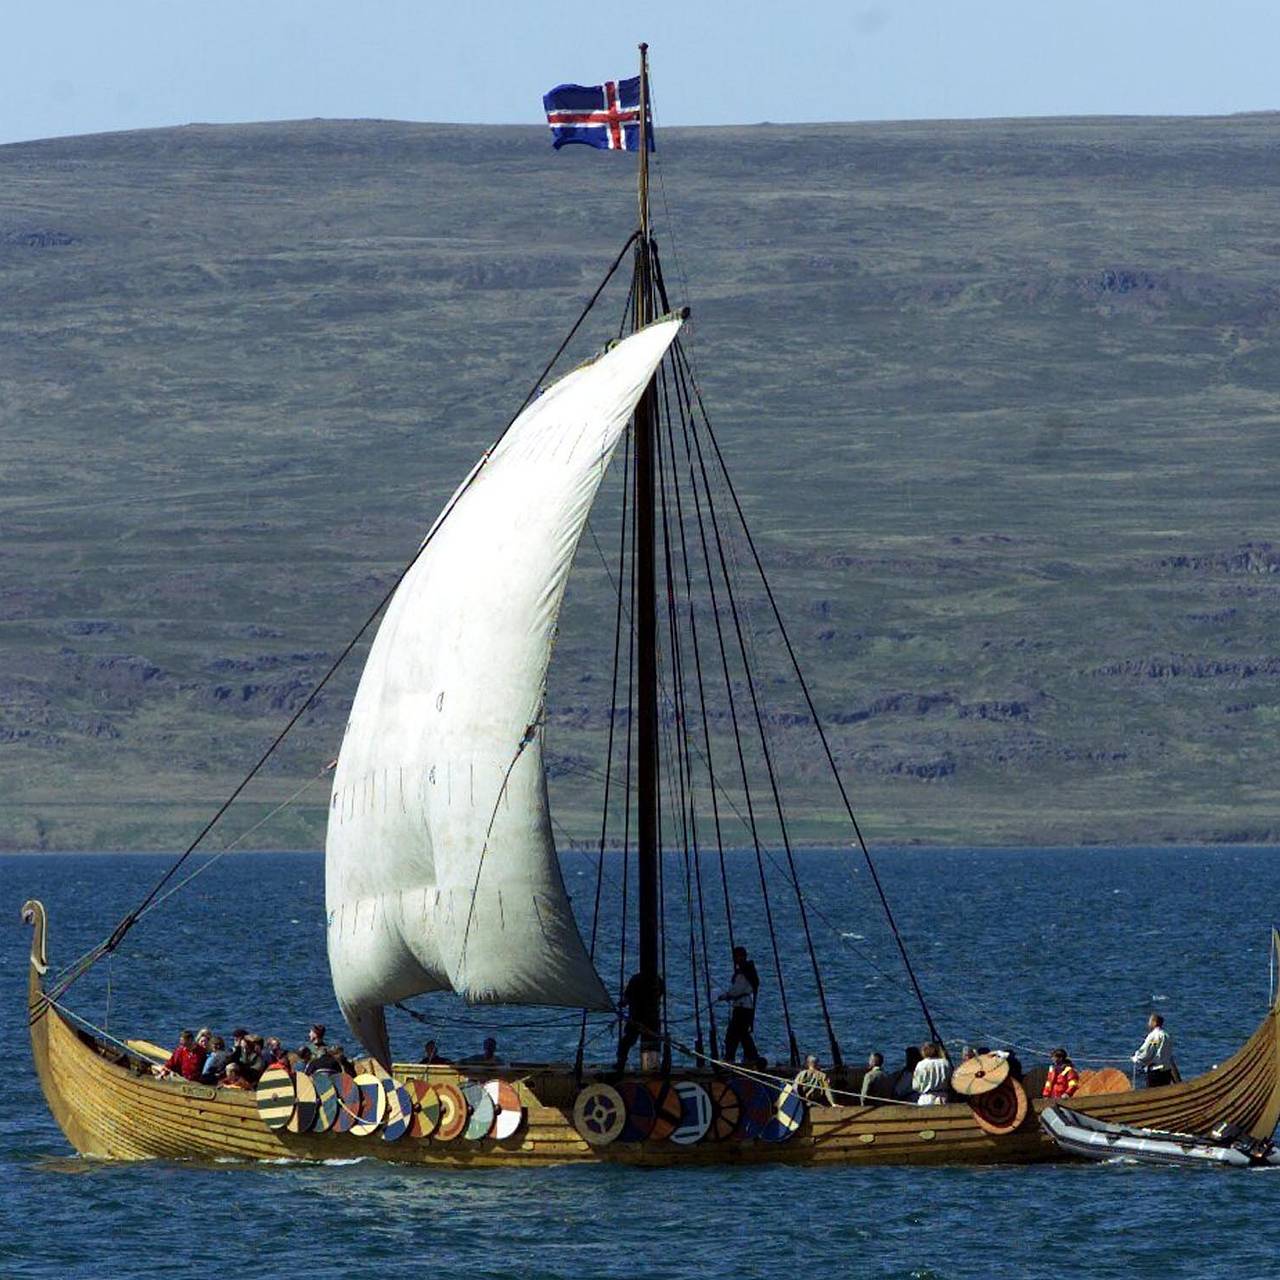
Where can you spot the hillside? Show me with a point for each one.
(1003, 398)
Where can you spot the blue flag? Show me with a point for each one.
(598, 115)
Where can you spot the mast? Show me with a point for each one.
(649, 906)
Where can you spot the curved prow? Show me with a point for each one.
(34, 914)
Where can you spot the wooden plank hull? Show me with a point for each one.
(109, 1106)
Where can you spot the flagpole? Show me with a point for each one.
(644, 148)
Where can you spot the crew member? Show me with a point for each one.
(931, 1077)
(812, 1083)
(1063, 1078)
(636, 997)
(1156, 1054)
(185, 1061)
(873, 1079)
(741, 995)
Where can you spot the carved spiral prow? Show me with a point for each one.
(34, 914)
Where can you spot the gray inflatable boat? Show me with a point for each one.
(1093, 1139)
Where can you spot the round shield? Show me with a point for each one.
(599, 1114)
(728, 1109)
(275, 1097)
(757, 1107)
(788, 1116)
(399, 1111)
(326, 1101)
(426, 1109)
(373, 1104)
(453, 1113)
(1002, 1110)
(304, 1112)
(507, 1105)
(641, 1112)
(695, 1113)
(348, 1102)
(986, 1072)
(668, 1109)
(483, 1112)
(1106, 1080)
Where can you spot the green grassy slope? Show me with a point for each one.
(1001, 396)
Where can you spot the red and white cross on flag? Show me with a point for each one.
(601, 115)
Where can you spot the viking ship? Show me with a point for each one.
(442, 874)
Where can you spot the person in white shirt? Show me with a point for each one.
(930, 1078)
(741, 996)
(1156, 1054)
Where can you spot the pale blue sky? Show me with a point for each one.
(84, 66)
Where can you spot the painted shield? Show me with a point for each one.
(453, 1113)
(788, 1116)
(728, 1109)
(1002, 1110)
(348, 1102)
(426, 1109)
(668, 1109)
(275, 1097)
(373, 1105)
(981, 1074)
(1107, 1080)
(757, 1107)
(641, 1111)
(599, 1114)
(482, 1111)
(399, 1115)
(509, 1108)
(326, 1101)
(695, 1113)
(304, 1112)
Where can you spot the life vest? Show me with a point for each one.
(1061, 1082)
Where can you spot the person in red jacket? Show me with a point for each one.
(1063, 1078)
(186, 1060)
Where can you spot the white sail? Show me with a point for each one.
(440, 868)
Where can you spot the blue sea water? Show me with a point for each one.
(1032, 948)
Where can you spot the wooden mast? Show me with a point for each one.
(647, 1011)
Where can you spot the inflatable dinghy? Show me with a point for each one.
(1094, 1139)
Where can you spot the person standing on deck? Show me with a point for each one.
(1063, 1078)
(1156, 1054)
(633, 998)
(741, 995)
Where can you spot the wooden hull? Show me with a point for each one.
(109, 1106)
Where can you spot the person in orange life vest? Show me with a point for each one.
(1063, 1079)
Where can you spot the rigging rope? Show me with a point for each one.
(684, 789)
(682, 361)
(737, 737)
(77, 968)
(613, 702)
(686, 759)
(765, 752)
(126, 924)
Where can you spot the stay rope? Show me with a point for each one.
(90, 958)
(683, 362)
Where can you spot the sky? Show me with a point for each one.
(88, 66)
